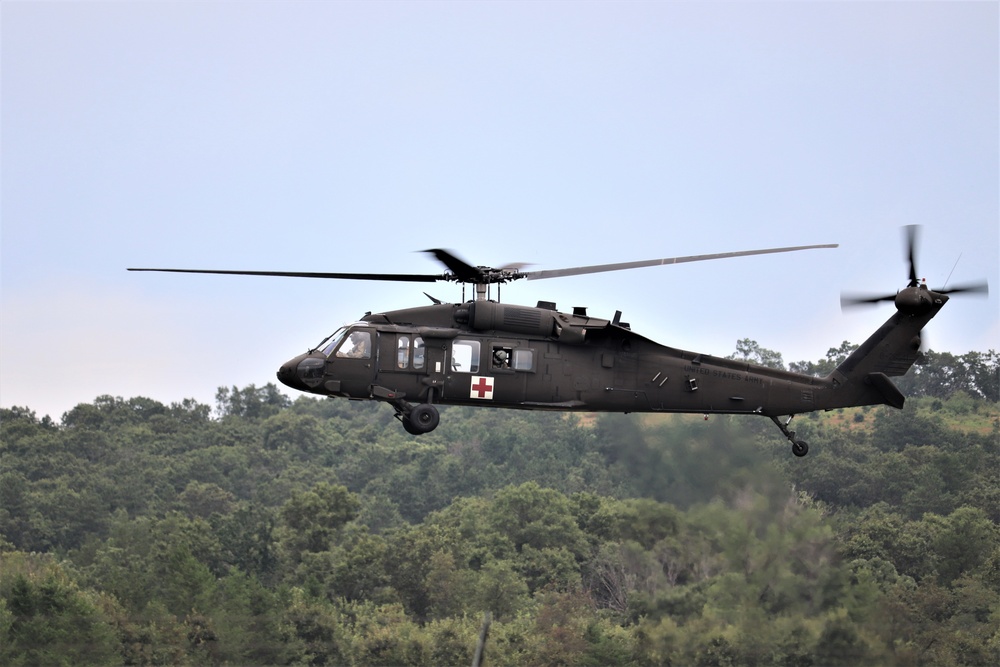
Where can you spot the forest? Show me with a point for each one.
(270, 531)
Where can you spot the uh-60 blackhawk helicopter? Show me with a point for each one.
(485, 353)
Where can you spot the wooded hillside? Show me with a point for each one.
(261, 531)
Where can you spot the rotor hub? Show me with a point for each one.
(918, 300)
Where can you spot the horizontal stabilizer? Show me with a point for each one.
(889, 391)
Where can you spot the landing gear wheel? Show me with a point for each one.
(423, 418)
(799, 447)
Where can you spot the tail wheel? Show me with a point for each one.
(423, 418)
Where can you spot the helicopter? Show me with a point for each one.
(482, 352)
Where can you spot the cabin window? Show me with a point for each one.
(418, 352)
(465, 356)
(507, 358)
(405, 353)
(402, 352)
(501, 358)
(357, 345)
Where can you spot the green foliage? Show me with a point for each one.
(250, 402)
(943, 374)
(834, 357)
(272, 532)
(311, 519)
(46, 619)
(751, 351)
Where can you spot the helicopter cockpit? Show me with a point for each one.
(356, 345)
(308, 371)
(347, 343)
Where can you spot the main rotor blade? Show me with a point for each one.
(580, 270)
(465, 272)
(399, 277)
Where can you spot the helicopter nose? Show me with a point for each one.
(286, 375)
(304, 372)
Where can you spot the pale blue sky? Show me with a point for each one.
(329, 136)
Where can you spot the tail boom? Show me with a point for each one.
(864, 377)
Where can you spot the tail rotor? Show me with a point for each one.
(916, 292)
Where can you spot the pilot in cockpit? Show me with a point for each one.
(356, 346)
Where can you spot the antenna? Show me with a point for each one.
(946, 280)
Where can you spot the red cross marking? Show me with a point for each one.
(482, 387)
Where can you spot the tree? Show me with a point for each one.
(204, 500)
(962, 541)
(834, 357)
(251, 402)
(941, 374)
(46, 619)
(311, 519)
(751, 351)
(529, 515)
(247, 540)
(449, 587)
(317, 533)
(501, 590)
(984, 371)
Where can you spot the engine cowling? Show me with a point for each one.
(492, 316)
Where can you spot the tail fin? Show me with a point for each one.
(863, 378)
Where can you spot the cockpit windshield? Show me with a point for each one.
(328, 344)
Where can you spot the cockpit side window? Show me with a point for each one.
(357, 345)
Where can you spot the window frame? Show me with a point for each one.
(473, 358)
(516, 355)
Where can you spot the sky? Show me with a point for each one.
(349, 136)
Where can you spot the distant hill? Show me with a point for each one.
(268, 531)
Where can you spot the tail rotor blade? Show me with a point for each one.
(853, 300)
(911, 233)
(968, 288)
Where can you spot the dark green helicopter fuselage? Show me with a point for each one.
(486, 353)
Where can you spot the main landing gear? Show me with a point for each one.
(417, 419)
(799, 447)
